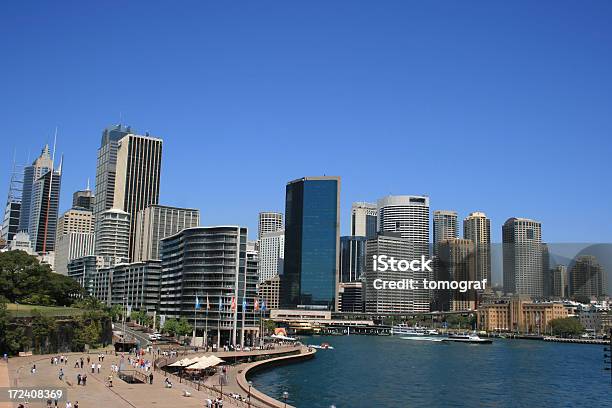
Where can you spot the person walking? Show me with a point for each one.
(98, 367)
(81, 363)
(61, 374)
(79, 379)
(110, 380)
(151, 378)
(93, 368)
(84, 379)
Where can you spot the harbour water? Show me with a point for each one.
(369, 371)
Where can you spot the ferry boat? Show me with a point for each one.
(467, 338)
(323, 346)
(405, 330)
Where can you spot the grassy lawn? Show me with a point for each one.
(19, 310)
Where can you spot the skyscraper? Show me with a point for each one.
(271, 254)
(83, 199)
(364, 218)
(444, 226)
(12, 211)
(352, 258)
(157, 222)
(587, 277)
(113, 235)
(385, 300)
(269, 222)
(31, 173)
(106, 167)
(456, 262)
(559, 281)
(522, 253)
(74, 238)
(44, 207)
(477, 228)
(137, 177)
(312, 240)
(408, 216)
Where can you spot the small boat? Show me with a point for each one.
(467, 338)
(322, 346)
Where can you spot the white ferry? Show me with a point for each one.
(467, 338)
(405, 330)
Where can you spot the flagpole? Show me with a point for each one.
(195, 319)
(206, 324)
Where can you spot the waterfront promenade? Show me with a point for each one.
(124, 395)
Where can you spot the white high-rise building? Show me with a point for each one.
(113, 235)
(364, 220)
(71, 246)
(477, 228)
(271, 255)
(408, 217)
(269, 222)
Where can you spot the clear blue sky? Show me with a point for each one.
(498, 106)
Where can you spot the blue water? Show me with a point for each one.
(368, 371)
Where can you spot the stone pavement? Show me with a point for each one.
(4, 381)
(96, 393)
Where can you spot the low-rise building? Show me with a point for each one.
(519, 314)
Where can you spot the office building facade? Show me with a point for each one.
(312, 241)
(352, 258)
(44, 207)
(364, 220)
(456, 263)
(444, 226)
(269, 292)
(522, 257)
(112, 236)
(269, 222)
(71, 246)
(477, 228)
(210, 264)
(31, 173)
(271, 255)
(136, 285)
(157, 222)
(587, 277)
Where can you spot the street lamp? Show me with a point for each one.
(249, 394)
(285, 397)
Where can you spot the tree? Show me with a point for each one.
(171, 326)
(115, 312)
(183, 327)
(269, 326)
(566, 327)
(43, 329)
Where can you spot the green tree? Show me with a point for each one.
(115, 312)
(171, 326)
(183, 327)
(269, 326)
(566, 327)
(43, 329)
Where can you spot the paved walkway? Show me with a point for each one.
(4, 381)
(96, 393)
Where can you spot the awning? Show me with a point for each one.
(281, 337)
(184, 362)
(206, 362)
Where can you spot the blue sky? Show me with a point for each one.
(503, 107)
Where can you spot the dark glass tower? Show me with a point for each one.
(312, 240)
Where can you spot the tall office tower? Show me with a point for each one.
(106, 167)
(364, 218)
(385, 300)
(31, 173)
(113, 236)
(444, 226)
(44, 207)
(587, 278)
(352, 258)
(456, 262)
(409, 216)
(196, 266)
(269, 292)
(83, 199)
(560, 281)
(547, 279)
(137, 177)
(477, 228)
(74, 238)
(271, 255)
(522, 253)
(312, 241)
(269, 222)
(157, 222)
(12, 211)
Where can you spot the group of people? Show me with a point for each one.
(59, 360)
(216, 403)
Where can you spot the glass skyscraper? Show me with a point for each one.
(312, 240)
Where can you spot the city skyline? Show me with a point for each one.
(300, 98)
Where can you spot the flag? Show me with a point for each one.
(244, 304)
(233, 303)
(207, 303)
(197, 303)
(256, 307)
(263, 305)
